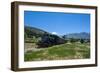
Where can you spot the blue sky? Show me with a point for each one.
(57, 22)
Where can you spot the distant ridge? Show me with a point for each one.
(32, 31)
(37, 30)
(82, 35)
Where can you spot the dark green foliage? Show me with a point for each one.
(81, 40)
(50, 40)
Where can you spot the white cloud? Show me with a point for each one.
(54, 33)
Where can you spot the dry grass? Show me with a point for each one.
(58, 52)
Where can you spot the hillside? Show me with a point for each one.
(41, 37)
(32, 31)
(59, 52)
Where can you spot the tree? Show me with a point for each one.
(81, 40)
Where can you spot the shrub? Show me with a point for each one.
(49, 40)
(82, 41)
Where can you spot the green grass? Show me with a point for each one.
(60, 52)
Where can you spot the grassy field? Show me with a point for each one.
(58, 52)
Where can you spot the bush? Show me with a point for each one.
(82, 41)
(49, 40)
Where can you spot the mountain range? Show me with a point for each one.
(82, 35)
(32, 31)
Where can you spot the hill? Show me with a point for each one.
(32, 31)
(41, 37)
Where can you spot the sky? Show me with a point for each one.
(57, 22)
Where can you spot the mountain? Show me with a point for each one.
(32, 31)
(41, 37)
(82, 35)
